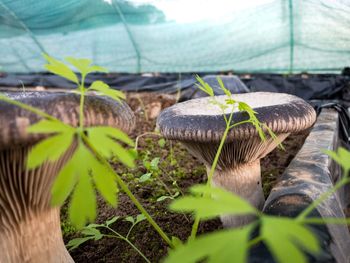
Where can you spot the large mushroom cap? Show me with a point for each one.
(202, 121)
(98, 111)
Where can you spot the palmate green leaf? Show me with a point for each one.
(50, 149)
(218, 247)
(222, 86)
(112, 220)
(83, 202)
(130, 219)
(82, 207)
(76, 242)
(211, 202)
(285, 236)
(140, 218)
(109, 147)
(113, 133)
(103, 88)
(57, 67)
(49, 126)
(205, 87)
(104, 181)
(84, 65)
(145, 177)
(92, 231)
(69, 175)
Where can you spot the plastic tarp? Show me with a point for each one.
(178, 35)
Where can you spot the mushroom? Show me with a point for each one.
(199, 125)
(29, 227)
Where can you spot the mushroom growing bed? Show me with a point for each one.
(174, 163)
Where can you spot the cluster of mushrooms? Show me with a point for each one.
(30, 227)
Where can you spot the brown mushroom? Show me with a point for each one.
(29, 227)
(200, 125)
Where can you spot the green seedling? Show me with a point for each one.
(92, 232)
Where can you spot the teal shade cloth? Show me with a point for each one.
(269, 36)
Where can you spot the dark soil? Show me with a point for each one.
(177, 170)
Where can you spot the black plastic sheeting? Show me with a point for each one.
(306, 86)
(344, 118)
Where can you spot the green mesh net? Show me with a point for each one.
(281, 36)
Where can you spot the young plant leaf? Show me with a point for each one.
(222, 86)
(154, 164)
(76, 242)
(57, 67)
(140, 218)
(218, 247)
(285, 236)
(145, 177)
(113, 133)
(49, 126)
(91, 231)
(84, 65)
(205, 87)
(104, 181)
(108, 147)
(83, 203)
(68, 176)
(161, 142)
(50, 149)
(104, 89)
(164, 197)
(130, 219)
(112, 220)
(211, 202)
(342, 157)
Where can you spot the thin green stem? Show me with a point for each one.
(130, 229)
(127, 241)
(125, 188)
(165, 186)
(322, 198)
(211, 172)
(81, 106)
(218, 152)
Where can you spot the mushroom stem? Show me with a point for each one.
(45, 247)
(29, 227)
(243, 180)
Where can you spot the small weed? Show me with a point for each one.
(92, 232)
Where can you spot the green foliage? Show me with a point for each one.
(281, 235)
(104, 139)
(57, 67)
(342, 157)
(161, 142)
(171, 197)
(285, 236)
(209, 202)
(104, 89)
(92, 232)
(219, 247)
(205, 87)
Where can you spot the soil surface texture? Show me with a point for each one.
(164, 170)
